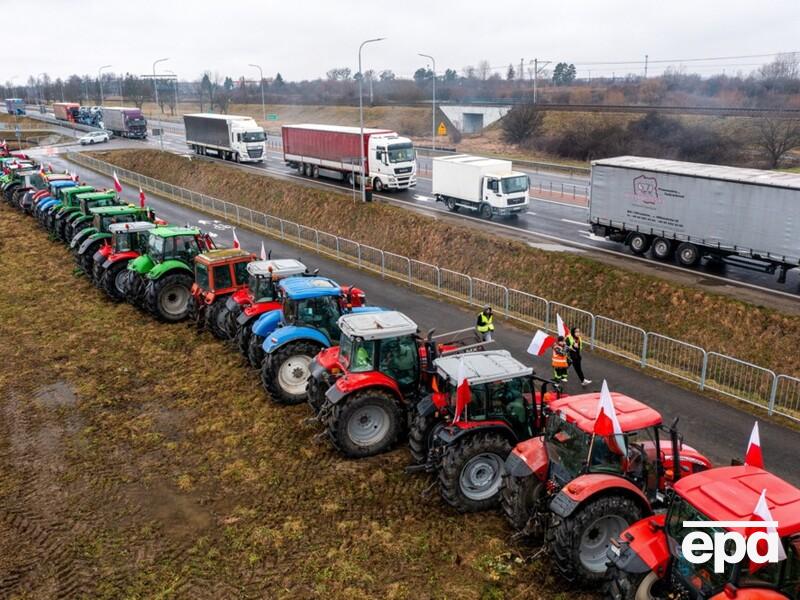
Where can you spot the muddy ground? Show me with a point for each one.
(141, 460)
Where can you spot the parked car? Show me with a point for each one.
(94, 137)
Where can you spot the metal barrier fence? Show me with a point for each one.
(723, 374)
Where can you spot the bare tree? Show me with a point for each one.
(522, 123)
(776, 135)
(785, 66)
(484, 68)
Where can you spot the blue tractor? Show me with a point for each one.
(53, 200)
(291, 337)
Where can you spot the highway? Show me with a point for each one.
(719, 430)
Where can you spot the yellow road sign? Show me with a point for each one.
(441, 130)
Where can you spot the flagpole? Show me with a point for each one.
(589, 456)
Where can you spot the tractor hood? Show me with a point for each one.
(267, 323)
(141, 265)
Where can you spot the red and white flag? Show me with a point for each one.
(540, 343)
(762, 512)
(563, 330)
(606, 422)
(142, 198)
(74, 177)
(117, 184)
(236, 243)
(463, 394)
(753, 456)
(263, 251)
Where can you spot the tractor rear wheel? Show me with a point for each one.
(86, 260)
(472, 472)
(243, 333)
(521, 499)
(255, 351)
(216, 318)
(365, 424)
(168, 296)
(112, 280)
(580, 541)
(285, 373)
(419, 436)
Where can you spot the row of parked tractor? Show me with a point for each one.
(609, 509)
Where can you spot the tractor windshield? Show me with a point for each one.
(155, 248)
(319, 313)
(503, 400)
(357, 355)
(201, 275)
(124, 242)
(261, 287)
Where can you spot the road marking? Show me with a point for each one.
(531, 213)
(422, 198)
(559, 203)
(574, 222)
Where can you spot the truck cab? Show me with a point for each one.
(392, 163)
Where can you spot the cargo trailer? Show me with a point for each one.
(228, 137)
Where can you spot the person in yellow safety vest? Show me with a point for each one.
(560, 360)
(363, 358)
(485, 326)
(575, 346)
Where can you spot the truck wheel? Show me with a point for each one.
(662, 248)
(112, 280)
(580, 541)
(639, 243)
(485, 211)
(365, 424)
(255, 352)
(168, 297)
(451, 205)
(306, 170)
(285, 375)
(348, 179)
(315, 172)
(521, 498)
(237, 157)
(419, 436)
(377, 185)
(472, 472)
(688, 254)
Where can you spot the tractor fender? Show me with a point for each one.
(457, 431)
(73, 215)
(54, 207)
(529, 458)
(292, 333)
(115, 258)
(592, 485)
(259, 308)
(141, 265)
(238, 298)
(643, 547)
(751, 593)
(42, 206)
(354, 382)
(426, 406)
(95, 237)
(168, 265)
(79, 238)
(267, 323)
(325, 362)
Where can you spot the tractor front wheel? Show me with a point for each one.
(243, 337)
(419, 436)
(620, 585)
(216, 319)
(580, 541)
(365, 424)
(285, 374)
(86, 259)
(315, 394)
(472, 472)
(168, 297)
(113, 278)
(521, 499)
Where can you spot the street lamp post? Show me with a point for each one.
(361, 118)
(155, 88)
(433, 116)
(100, 81)
(261, 75)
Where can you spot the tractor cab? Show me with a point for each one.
(110, 261)
(129, 236)
(53, 199)
(217, 275)
(82, 217)
(648, 561)
(174, 243)
(86, 242)
(314, 302)
(70, 204)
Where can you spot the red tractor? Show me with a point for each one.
(110, 262)
(217, 275)
(382, 371)
(647, 561)
(582, 490)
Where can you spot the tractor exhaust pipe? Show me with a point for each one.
(676, 450)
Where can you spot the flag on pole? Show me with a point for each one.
(236, 243)
(117, 184)
(762, 512)
(606, 423)
(563, 330)
(263, 251)
(463, 394)
(753, 456)
(540, 343)
(142, 198)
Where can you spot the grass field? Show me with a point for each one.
(141, 460)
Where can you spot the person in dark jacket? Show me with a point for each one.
(575, 347)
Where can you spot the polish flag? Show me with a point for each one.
(463, 394)
(142, 198)
(563, 330)
(236, 243)
(540, 343)
(117, 184)
(263, 251)
(753, 456)
(606, 423)
(762, 512)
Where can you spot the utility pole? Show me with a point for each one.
(361, 118)
(261, 75)
(371, 98)
(646, 58)
(433, 107)
(535, 77)
(521, 69)
(100, 81)
(155, 88)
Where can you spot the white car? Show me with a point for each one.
(94, 137)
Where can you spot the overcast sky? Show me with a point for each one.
(304, 40)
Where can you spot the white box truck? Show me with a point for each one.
(228, 137)
(746, 217)
(488, 186)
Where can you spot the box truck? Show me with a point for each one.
(66, 111)
(228, 137)
(691, 211)
(15, 106)
(487, 186)
(124, 122)
(335, 151)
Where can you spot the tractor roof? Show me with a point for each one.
(377, 325)
(119, 209)
(482, 367)
(63, 183)
(58, 177)
(96, 195)
(222, 255)
(582, 410)
(282, 267)
(731, 494)
(134, 227)
(168, 232)
(80, 189)
(299, 288)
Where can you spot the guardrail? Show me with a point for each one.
(775, 393)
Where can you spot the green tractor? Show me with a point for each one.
(82, 216)
(160, 280)
(56, 220)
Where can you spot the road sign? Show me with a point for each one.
(441, 130)
(272, 117)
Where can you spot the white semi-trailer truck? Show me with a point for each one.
(487, 186)
(689, 211)
(229, 137)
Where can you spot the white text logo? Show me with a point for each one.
(731, 546)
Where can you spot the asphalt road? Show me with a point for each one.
(719, 430)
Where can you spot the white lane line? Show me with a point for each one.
(531, 213)
(574, 222)
(559, 203)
